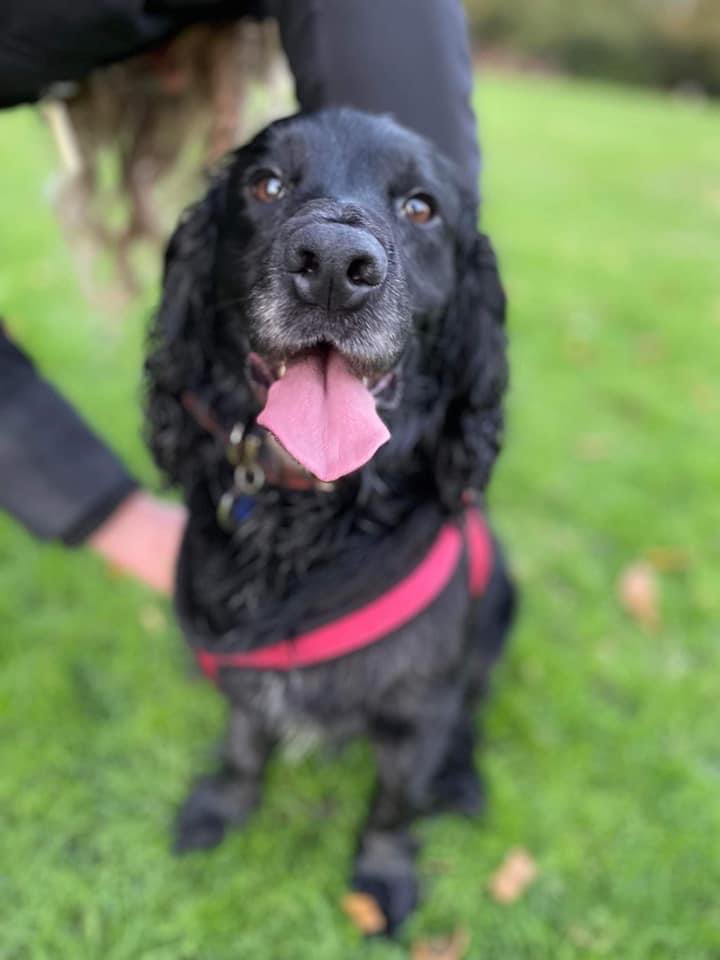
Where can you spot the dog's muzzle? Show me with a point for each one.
(333, 265)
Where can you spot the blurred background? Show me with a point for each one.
(601, 143)
(664, 43)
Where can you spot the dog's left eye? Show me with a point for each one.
(418, 208)
(267, 187)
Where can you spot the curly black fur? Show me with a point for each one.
(303, 557)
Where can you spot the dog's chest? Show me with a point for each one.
(283, 702)
(302, 709)
(336, 699)
(286, 575)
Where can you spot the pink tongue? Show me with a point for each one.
(324, 416)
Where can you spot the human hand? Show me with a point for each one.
(142, 537)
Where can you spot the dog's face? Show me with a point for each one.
(337, 238)
(338, 232)
(326, 247)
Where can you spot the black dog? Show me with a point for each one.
(325, 383)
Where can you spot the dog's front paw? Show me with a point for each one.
(396, 897)
(197, 830)
(215, 805)
(385, 871)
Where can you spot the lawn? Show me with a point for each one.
(601, 748)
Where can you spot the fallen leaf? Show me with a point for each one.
(705, 397)
(152, 619)
(650, 348)
(668, 559)
(601, 942)
(713, 197)
(639, 594)
(364, 912)
(453, 947)
(593, 447)
(578, 351)
(114, 571)
(513, 876)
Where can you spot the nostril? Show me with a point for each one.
(301, 259)
(364, 271)
(309, 262)
(333, 265)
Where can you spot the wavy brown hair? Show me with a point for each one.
(135, 136)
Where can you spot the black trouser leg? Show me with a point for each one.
(409, 58)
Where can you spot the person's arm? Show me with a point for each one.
(46, 42)
(63, 483)
(49, 42)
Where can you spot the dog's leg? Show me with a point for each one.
(225, 799)
(457, 787)
(489, 624)
(411, 748)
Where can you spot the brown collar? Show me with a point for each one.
(254, 453)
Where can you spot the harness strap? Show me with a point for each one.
(401, 604)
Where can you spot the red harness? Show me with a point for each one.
(401, 604)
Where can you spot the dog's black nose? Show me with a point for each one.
(334, 265)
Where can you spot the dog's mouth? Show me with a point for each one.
(321, 410)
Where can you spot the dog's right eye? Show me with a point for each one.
(418, 208)
(267, 187)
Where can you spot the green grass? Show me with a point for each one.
(602, 748)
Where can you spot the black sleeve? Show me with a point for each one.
(56, 476)
(43, 42)
(410, 58)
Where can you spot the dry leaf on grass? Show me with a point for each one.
(152, 619)
(364, 912)
(668, 559)
(453, 947)
(513, 876)
(639, 594)
(593, 447)
(706, 397)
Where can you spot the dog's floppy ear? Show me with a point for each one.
(189, 265)
(182, 325)
(476, 372)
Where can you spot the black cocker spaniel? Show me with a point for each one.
(324, 383)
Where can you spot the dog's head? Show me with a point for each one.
(332, 284)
